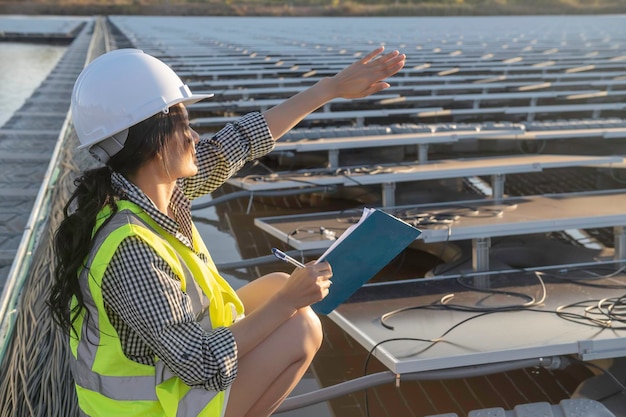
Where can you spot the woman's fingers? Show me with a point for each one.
(323, 282)
(326, 284)
(365, 77)
(388, 60)
(308, 285)
(391, 63)
(367, 58)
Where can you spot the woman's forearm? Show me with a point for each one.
(289, 113)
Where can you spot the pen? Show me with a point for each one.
(284, 257)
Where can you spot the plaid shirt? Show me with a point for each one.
(142, 295)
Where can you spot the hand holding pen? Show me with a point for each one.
(308, 284)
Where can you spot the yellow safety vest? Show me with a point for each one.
(107, 382)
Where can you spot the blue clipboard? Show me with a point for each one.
(361, 252)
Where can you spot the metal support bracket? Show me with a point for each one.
(389, 194)
(333, 158)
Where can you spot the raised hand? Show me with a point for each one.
(359, 79)
(365, 76)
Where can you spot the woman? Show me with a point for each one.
(154, 330)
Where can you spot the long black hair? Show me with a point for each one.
(73, 238)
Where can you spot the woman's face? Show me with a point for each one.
(180, 150)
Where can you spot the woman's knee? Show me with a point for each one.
(275, 278)
(296, 341)
(261, 289)
(311, 327)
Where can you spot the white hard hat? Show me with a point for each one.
(118, 90)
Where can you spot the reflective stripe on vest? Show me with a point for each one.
(139, 383)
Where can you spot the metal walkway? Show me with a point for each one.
(27, 142)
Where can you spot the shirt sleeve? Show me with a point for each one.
(145, 294)
(222, 155)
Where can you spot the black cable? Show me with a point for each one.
(597, 312)
(420, 218)
(371, 353)
(531, 299)
(433, 342)
(585, 280)
(342, 171)
(601, 313)
(482, 312)
(326, 233)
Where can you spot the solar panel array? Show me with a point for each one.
(515, 69)
(481, 80)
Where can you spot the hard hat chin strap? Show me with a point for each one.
(104, 150)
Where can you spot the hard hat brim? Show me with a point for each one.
(194, 98)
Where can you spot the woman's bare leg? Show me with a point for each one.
(256, 292)
(269, 372)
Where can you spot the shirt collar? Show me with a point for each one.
(179, 204)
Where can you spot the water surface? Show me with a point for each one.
(22, 69)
